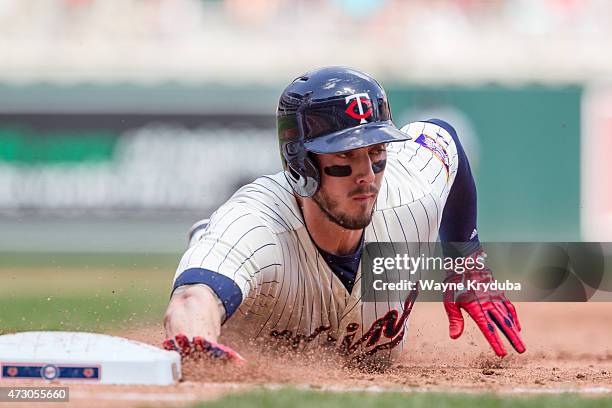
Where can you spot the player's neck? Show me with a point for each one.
(326, 234)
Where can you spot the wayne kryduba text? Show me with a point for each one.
(432, 285)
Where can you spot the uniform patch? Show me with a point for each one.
(436, 148)
(50, 371)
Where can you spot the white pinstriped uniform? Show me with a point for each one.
(258, 239)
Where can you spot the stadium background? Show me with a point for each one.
(124, 121)
(134, 118)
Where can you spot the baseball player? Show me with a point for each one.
(281, 258)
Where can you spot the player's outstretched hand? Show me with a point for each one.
(489, 309)
(199, 347)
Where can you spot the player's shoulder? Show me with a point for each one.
(434, 129)
(432, 136)
(412, 172)
(268, 201)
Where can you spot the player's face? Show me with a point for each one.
(350, 182)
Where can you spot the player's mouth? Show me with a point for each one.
(364, 194)
(363, 197)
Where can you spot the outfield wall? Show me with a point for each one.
(91, 153)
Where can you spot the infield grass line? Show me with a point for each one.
(287, 397)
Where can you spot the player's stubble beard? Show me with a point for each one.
(329, 207)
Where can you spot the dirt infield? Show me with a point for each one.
(568, 349)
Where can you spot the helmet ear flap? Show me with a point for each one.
(313, 179)
(301, 172)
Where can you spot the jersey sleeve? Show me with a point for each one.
(435, 152)
(458, 231)
(432, 152)
(236, 253)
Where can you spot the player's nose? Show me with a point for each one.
(363, 170)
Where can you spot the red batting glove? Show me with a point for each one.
(200, 347)
(487, 308)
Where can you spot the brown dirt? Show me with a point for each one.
(568, 348)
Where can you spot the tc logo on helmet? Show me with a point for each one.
(359, 100)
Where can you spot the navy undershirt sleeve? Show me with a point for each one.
(458, 232)
(225, 288)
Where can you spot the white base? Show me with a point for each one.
(85, 357)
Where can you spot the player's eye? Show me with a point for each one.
(379, 150)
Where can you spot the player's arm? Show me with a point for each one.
(229, 261)
(194, 311)
(459, 238)
(201, 301)
(193, 324)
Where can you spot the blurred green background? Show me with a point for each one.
(523, 143)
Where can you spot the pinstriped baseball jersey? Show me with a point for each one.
(257, 255)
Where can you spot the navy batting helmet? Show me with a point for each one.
(330, 110)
